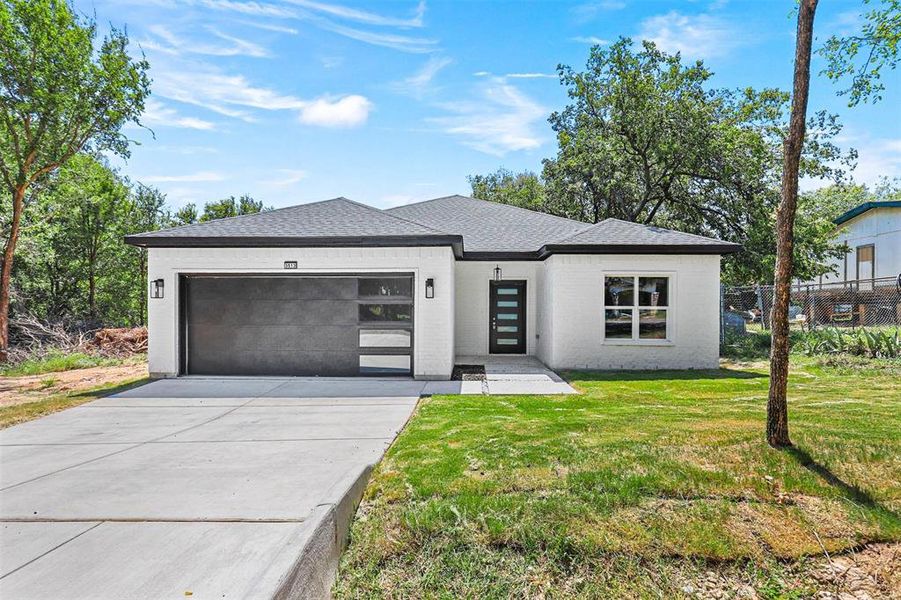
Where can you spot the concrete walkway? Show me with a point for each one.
(517, 375)
(199, 488)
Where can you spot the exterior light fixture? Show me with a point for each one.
(429, 288)
(156, 288)
(498, 274)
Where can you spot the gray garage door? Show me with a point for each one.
(297, 325)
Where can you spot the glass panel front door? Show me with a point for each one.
(507, 317)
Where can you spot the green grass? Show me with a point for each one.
(19, 413)
(632, 488)
(56, 362)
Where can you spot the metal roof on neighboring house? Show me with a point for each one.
(866, 206)
(475, 229)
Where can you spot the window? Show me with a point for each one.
(385, 338)
(385, 286)
(866, 264)
(636, 308)
(397, 364)
(385, 312)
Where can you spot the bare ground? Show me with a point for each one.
(32, 388)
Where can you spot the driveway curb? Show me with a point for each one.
(314, 571)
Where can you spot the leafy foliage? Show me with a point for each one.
(73, 266)
(862, 56)
(219, 209)
(645, 139)
(525, 190)
(59, 95)
(870, 343)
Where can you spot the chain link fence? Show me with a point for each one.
(870, 303)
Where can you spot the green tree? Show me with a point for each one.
(645, 139)
(58, 96)
(218, 209)
(185, 215)
(793, 146)
(148, 213)
(230, 207)
(861, 56)
(524, 190)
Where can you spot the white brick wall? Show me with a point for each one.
(433, 352)
(574, 284)
(473, 280)
(563, 303)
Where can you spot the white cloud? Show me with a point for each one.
(331, 62)
(229, 95)
(233, 95)
(481, 74)
(168, 42)
(404, 43)
(531, 76)
(590, 10)
(200, 176)
(877, 158)
(418, 84)
(590, 39)
(695, 36)
(160, 115)
(502, 119)
(289, 177)
(348, 111)
(271, 27)
(257, 9)
(362, 16)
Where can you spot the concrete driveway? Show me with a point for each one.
(197, 488)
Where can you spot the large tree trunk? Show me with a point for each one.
(9, 253)
(777, 405)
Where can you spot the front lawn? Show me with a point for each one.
(647, 485)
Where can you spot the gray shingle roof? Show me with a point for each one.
(618, 235)
(489, 226)
(474, 228)
(340, 219)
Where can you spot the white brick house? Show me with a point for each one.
(337, 288)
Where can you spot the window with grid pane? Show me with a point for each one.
(636, 307)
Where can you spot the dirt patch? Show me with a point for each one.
(30, 388)
(874, 572)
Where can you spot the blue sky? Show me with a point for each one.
(390, 102)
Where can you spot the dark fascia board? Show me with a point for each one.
(499, 256)
(724, 248)
(455, 241)
(859, 210)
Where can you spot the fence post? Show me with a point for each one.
(763, 319)
(722, 316)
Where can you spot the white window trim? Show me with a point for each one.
(670, 312)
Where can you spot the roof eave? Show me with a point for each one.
(151, 241)
(723, 248)
(863, 208)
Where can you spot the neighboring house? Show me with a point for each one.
(872, 232)
(338, 288)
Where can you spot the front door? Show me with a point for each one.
(507, 316)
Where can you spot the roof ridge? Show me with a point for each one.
(220, 219)
(558, 217)
(387, 213)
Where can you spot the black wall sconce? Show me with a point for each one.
(156, 288)
(498, 274)
(429, 288)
